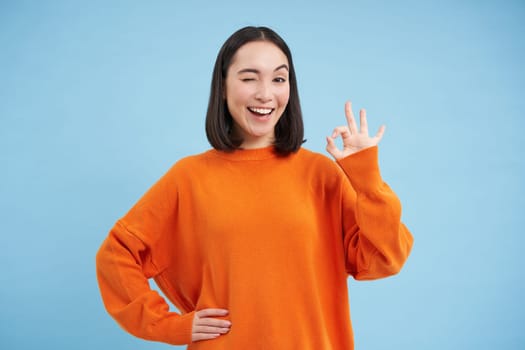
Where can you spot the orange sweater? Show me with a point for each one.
(271, 239)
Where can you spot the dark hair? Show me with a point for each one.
(289, 130)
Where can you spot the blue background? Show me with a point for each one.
(99, 98)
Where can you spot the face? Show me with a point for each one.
(257, 92)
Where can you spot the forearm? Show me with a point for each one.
(127, 296)
(376, 240)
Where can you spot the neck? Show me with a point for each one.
(254, 142)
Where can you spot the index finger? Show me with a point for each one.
(211, 312)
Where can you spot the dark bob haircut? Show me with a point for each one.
(289, 130)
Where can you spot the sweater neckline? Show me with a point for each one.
(247, 154)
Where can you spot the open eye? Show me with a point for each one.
(279, 80)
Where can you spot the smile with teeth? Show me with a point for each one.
(260, 111)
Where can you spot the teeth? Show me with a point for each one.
(261, 110)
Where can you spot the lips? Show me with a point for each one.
(261, 111)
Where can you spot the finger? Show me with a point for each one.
(350, 118)
(211, 313)
(341, 130)
(210, 330)
(380, 133)
(363, 122)
(332, 148)
(213, 322)
(330, 145)
(204, 336)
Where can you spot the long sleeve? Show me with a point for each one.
(135, 250)
(376, 242)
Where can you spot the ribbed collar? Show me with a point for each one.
(246, 154)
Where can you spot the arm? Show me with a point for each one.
(122, 264)
(376, 242)
(133, 252)
(130, 255)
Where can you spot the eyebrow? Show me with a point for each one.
(252, 70)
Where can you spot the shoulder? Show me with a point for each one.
(189, 165)
(316, 160)
(312, 155)
(194, 159)
(319, 166)
(318, 173)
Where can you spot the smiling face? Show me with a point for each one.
(257, 92)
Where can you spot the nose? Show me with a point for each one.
(264, 92)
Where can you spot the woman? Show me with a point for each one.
(253, 240)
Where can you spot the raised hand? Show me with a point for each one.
(206, 326)
(354, 139)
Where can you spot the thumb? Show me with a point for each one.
(332, 148)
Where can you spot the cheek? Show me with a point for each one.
(237, 98)
(284, 97)
(236, 95)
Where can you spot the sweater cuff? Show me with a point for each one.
(177, 329)
(362, 168)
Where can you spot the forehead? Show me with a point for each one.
(259, 54)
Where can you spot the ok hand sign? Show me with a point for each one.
(354, 140)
